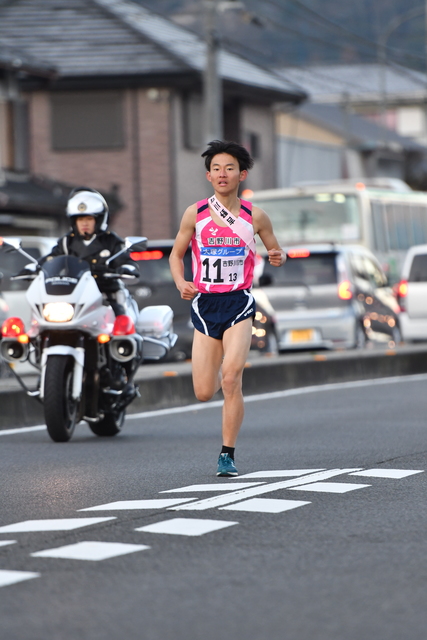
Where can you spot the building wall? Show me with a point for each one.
(190, 184)
(259, 120)
(293, 126)
(140, 170)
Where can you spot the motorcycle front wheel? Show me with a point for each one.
(110, 425)
(60, 409)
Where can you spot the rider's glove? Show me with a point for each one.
(100, 269)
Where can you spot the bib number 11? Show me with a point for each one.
(216, 265)
(220, 271)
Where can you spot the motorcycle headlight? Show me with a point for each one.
(58, 312)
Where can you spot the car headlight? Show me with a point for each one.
(58, 311)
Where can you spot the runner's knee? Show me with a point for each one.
(231, 382)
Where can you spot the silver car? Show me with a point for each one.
(412, 294)
(330, 296)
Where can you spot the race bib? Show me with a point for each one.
(222, 265)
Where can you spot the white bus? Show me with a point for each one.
(383, 214)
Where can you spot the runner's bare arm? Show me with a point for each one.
(263, 227)
(176, 259)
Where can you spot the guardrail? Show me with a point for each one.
(170, 384)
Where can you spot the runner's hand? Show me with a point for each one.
(187, 290)
(276, 257)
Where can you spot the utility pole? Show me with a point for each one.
(212, 98)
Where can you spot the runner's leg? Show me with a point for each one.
(206, 364)
(236, 342)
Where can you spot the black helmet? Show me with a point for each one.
(88, 202)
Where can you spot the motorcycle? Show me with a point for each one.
(86, 357)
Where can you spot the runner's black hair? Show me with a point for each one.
(233, 149)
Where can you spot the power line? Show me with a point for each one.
(344, 30)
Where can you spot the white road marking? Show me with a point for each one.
(330, 487)
(4, 543)
(213, 487)
(59, 524)
(386, 473)
(186, 526)
(138, 504)
(236, 496)
(94, 551)
(11, 432)
(266, 505)
(253, 398)
(11, 577)
(286, 473)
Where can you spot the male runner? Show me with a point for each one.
(221, 231)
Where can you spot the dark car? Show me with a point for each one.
(156, 286)
(330, 296)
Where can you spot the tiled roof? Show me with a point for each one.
(12, 58)
(357, 82)
(361, 132)
(119, 37)
(80, 38)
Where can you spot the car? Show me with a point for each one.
(156, 286)
(411, 294)
(330, 296)
(4, 313)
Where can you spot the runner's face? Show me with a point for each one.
(225, 174)
(85, 224)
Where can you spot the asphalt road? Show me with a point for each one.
(302, 550)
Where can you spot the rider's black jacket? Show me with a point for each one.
(103, 246)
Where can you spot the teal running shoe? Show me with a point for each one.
(226, 466)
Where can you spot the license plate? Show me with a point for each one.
(302, 335)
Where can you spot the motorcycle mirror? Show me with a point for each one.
(11, 242)
(136, 243)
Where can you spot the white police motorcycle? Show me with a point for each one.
(85, 355)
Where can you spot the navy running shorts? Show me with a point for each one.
(214, 313)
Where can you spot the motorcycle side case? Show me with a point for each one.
(156, 322)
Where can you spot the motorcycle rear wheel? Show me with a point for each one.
(60, 409)
(110, 425)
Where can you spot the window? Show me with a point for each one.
(87, 120)
(316, 269)
(193, 120)
(419, 269)
(253, 144)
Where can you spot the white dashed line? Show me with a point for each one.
(213, 487)
(138, 504)
(59, 524)
(186, 526)
(386, 473)
(11, 577)
(330, 487)
(266, 505)
(94, 551)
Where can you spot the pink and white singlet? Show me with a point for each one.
(222, 261)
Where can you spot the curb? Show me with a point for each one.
(170, 385)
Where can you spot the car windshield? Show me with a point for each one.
(323, 217)
(315, 269)
(154, 265)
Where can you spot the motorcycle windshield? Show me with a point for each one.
(61, 274)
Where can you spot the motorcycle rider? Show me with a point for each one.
(90, 240)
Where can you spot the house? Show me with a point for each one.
(122, 113)
(322, 141)
(388, 94)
